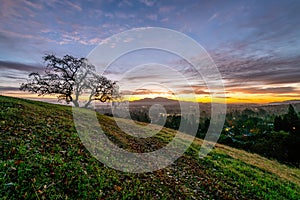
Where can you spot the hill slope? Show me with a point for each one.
(43, 157)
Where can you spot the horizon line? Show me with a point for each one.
(53, 99)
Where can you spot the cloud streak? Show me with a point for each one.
(8, 89)
(5, 65)
(266, 70)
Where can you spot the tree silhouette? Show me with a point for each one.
(70, 77)
(278, 124)
(292, 120)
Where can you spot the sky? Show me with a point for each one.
(254, 44)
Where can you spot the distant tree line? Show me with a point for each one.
(289, 122)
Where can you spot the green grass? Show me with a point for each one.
(42, 157)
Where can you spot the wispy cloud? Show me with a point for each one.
(8, 89)
(148, 2)
(36, 5)
(265, 70)
(9, 9)
(213, 17)
(74, 5)
(270, 90)
(4, 65)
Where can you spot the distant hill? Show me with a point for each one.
(285, 102)
(42, 157)
(161, 100)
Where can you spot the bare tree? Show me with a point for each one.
(69, 78)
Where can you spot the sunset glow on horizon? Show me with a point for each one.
(238, 98)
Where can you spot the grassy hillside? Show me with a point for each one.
(42, 157)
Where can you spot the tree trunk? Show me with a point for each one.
(87, 104)
(76, 104)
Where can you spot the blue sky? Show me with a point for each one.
(255, 44)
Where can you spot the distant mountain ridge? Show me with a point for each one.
(167, 100)
(295, 101)
(155, 100)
